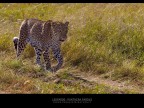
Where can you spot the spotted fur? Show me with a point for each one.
(42, 35)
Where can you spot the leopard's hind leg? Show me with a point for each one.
(38, 56)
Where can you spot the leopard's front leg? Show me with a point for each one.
(59, 57)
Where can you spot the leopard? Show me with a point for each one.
(42, 36)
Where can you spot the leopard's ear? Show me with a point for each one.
(66, 23)
(46, 27)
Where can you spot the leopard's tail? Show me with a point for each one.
(15, 41)
(23, 34)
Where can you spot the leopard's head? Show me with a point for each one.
(62, 30)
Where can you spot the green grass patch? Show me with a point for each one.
(102, 38)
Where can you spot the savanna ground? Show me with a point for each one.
(104, 52)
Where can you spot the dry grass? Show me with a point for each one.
(102, 38)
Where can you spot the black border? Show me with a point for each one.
(108, 100)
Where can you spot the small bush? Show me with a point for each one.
(28, 52)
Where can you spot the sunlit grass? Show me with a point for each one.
(102, 38)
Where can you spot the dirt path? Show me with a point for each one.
(88, 79)
(3, 92)
(121, 86)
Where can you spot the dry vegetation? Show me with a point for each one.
(103, 39)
